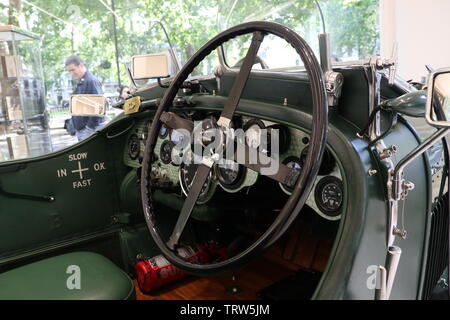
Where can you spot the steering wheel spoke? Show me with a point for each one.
(267, 166)
(194, 193)
(241, 80)
(175, 122)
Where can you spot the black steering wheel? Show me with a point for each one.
(301, 181)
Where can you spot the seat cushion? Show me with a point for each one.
(73, 276)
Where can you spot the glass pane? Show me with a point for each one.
(353, 26)
(86, 28)
(24, 127)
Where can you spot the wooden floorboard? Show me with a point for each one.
(247, 282)
(300, 251)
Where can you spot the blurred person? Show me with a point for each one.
(87, 83)
(124, 93)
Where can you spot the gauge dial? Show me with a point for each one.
(230, 175)
(329, 196)
(253, 133)
(176, 137)
(134, 147)
(284, 138)
(163, 132)
(187, 175)
(166, 152)
(293, 163)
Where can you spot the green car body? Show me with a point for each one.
(87, 197)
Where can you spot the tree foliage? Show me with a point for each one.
(87, 29)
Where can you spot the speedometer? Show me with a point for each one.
(187, 175)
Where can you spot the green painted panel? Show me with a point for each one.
(82, 181)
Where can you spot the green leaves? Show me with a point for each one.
(189, 23)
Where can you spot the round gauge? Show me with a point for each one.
(253, 133)
(166, 152)
(176, 137)
(230, 175)
(328, 162)
(134, 147)
(187, 175)
(284, 137)
(293, 163)
(163, 132)
(329, 196)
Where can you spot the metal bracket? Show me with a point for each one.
(334, 83)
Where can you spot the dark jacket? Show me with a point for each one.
(89, 84)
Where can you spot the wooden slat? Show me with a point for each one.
(249, 280)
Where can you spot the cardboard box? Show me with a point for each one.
(11, 66)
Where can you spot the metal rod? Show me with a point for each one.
(419, 150)
(112, 10)
(46, 12)
(116, 44)
(325, 52)
(392, 261)
(380, 291)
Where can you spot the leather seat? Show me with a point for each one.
(55, 279)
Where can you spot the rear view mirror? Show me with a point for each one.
(438, 101)
(150, 66)
(87, 105)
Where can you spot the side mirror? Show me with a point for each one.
(87, 105)
(438, 101)
(150, 66)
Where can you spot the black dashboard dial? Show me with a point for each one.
(329, 196)
(284, 137)
(134, 146)
(166, 152)
(187, 175)
(293, 163)
(230, 175)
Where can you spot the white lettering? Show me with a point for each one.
(79, 156)
(74, 281)
(82, 184)
(372, 279)
(99, 166)
(62, 173)
(197, 310)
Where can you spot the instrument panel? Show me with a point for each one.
(327, 195)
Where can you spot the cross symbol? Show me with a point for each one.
(80, 170)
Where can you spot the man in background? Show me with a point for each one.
(87, 83)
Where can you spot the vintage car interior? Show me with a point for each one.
(319, 228)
